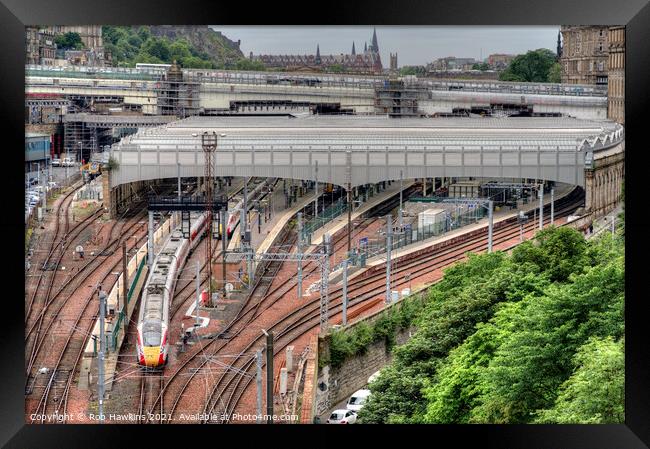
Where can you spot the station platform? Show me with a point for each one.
(263, 236)
(340, 222)
(279, 221)
(561, 190)
(498, 217)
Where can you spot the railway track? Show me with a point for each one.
(186, 288)
(231, 388)
(53, 306)
(251, 308)
(57, 386)
(59, 236)
(251, 305)
(73, 347)
(364, 292)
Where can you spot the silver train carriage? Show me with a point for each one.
(153, 320)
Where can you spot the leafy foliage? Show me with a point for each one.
(132, 45)
(247, 64)
(507, 339)
(348, 343)
(534, 66)
(482, 66)
(595, 392)
(418, 70)
(69, 41)
(555, 73)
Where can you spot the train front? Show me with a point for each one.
(152, 344)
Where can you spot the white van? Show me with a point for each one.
(374, 376)
(358, 400)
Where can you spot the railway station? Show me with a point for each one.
(195, 266)
(317, 222)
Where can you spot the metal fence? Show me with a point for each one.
(333, 211)
(407, 236)
(122, 315)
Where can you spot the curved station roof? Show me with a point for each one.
(290, 146)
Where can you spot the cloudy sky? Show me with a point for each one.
(415, 45)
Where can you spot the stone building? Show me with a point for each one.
(32, 45)
(91, 36)
(393, 62)
(584, 54)
(616, 74)
(451, 63)
(499, 61)
(47, 48)
(368, 62)
(39, 46)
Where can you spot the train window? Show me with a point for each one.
(152, 334)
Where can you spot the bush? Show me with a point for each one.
(497, 339)
(346, 343)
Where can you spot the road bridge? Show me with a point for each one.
(362, 150)
(222, 90)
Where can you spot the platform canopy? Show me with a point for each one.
(367, 149)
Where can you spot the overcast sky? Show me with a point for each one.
(415, 45)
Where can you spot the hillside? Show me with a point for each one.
(536, 336)
(191, 46)
(217, 46)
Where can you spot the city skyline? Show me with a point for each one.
(412, 43)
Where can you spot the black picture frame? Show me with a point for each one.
(635, 14)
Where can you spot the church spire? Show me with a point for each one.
(365, 47)
(353, 52)
(375, 45)
(559, 45)
(317, 54)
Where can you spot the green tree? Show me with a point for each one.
(595, 392)
(69, 41)
(535, 359)
(555, 73)
(556, 251)
(180, 49)
(417, 70)
(534, 66)
(158, 48)
(496, 339)
(335, 68)
(483, 66)
(247, 64)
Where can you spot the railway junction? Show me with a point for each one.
(315, 225)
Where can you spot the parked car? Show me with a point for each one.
(68, 162)
(342, 417)
(358, 400)
(56, 162)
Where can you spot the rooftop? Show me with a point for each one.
(373, 132)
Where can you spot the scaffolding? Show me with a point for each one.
(176, 95)
(80, 140)
(397, 100)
